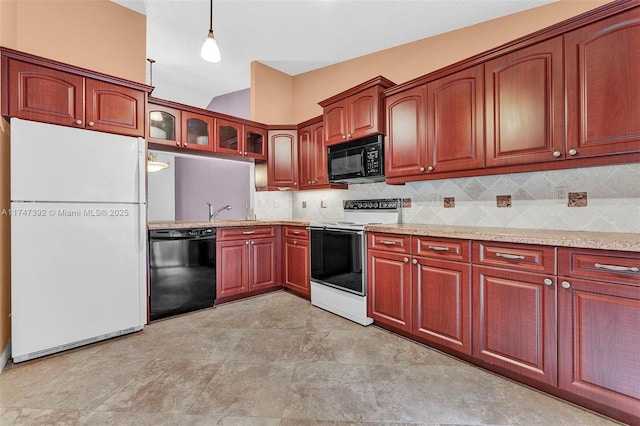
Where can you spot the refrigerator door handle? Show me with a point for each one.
(142, 170)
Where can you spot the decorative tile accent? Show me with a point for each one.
(406, 203)
(449, 202)
(503, 201)
(577, 199)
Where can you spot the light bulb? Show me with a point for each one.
(210, 51)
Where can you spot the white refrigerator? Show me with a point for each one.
(78, 237)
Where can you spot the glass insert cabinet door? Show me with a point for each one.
(228, 137)
(197, 131)
(256, 143)
(164, 125)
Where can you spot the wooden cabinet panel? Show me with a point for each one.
(527, 257)
(229, 137)
(255, 143)
(262, 263)
(306, 157)
(599, 342)
(525, 105)
(363, 114)
(406, 147)
(295, 266)
(245, 232)
(602, 66)
(335, 123)
(601, 265)
(43, 94)
(197, 131)
(114, 109)
(389, 242)
(442, 303)
(232, 258)
(389, 292)
(455, 121)
(442, 248)
(164, 125)
(514, 322)
(297, 232)
(282, 166)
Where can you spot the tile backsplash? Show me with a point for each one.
(613, 194)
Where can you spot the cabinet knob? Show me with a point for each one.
(252, 242)
(295, 183)
(572, 151)
(91, 124)
(406, 260)
(78, 122)
(245, 154)
(348, 135)
(239, 152)
(295, 242)
(556, 154)
(566, 284)
(422, 169)
(547, 281)
(414, 261)
(185, 144)
(310, 182)
(430, 168)
(344, 136)
(177, 143)
(246, 243)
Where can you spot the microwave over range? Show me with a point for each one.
(359, 161)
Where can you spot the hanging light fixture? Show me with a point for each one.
(153, 165)
(210, 51)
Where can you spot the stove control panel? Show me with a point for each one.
(378, 204)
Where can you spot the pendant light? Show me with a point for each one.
(210, 51)
(155, 166)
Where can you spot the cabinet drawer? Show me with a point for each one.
(526, 257)
(389, 242)
(442, 248)
(602, 265)
(299, 232)
(243, 232)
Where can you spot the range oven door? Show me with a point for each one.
(337, 259)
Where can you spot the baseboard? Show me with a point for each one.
(6, 354)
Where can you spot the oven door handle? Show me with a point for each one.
(342, 231)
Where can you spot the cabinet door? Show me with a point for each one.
(164, 125)
(306, 157)
(602, 63)
(442, 303)
(525, 105)
(335, 123)
(321, 168)
(263, 272)
(232, 277)
(389, 289)
(197, 131)
(514, 322)
(364, 114)
(455, 121)
(406, 146)
(42, 94)
(282, 167)
(255, 143)
(229, 138)
(599, 342)
(115, 109)
(296, 265)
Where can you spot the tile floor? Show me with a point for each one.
(268, 360)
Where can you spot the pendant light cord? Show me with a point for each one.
(210, 15)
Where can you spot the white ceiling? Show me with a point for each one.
(293, 36)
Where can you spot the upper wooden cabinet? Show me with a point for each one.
(355, 113)
(525, 105)
(602, 66)
(47, 91)
(178, 127)
(312, 155)
(282, 166)
(238, 139)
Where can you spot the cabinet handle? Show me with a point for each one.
(252, 242)
(510, 256)
(617, 268)
(406, 260)
(438, 248)
(246, 243)
(310, 182)
(387, 243)
(572, 151)
(430, 168)
(422, 169)
(344, 136)
(414, 261)
(248, 232)
(348, 135)
(185, 144)
(78, 122)
(177, 143)
(547, 281)
(566, 284)
(296, 232)
(556, 154)
(295, 242)
(239, 152)
(91, 124)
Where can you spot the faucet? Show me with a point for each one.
(214, 212)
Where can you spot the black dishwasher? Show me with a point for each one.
(182, 271)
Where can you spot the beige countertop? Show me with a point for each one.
(560, 238)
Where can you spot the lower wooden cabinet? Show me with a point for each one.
(599, 327)
(295, 260)
(389, 289)
(246, 259)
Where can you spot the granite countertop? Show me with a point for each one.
(560, 238)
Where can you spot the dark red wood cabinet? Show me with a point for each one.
(599, 326)
(282, 166)
(295, 259)
(602, 69)
(58, 96)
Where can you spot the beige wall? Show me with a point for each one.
(412, 60)
(95, 34)
(273, 102)
(5, 230)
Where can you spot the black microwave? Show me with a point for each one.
(359, 161)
